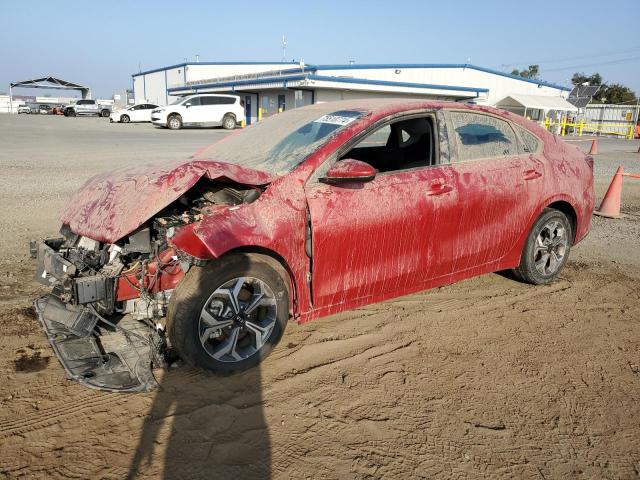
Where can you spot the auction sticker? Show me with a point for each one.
(339, 118)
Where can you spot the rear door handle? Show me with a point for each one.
(531, 174)
(439, 189)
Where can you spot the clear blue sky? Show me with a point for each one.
(100, 44)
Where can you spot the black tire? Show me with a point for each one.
(124, 119)
(197, 289)
(174, 122)
(70, 113)
(229, 121)
(105, 113)
(537, 265)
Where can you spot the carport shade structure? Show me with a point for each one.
(538, 102)
(48, 83)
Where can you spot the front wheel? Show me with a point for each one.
(547, 248)
(125, 119)
(174, 122)
(228, 316)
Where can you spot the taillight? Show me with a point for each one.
(589, 160)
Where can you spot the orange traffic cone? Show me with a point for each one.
(594, 147)
(610, 206)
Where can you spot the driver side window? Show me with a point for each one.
(400, 145)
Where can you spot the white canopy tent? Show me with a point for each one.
(520, 104)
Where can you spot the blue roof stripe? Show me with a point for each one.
(397, 84)
(329, 79)
(239, 83)
(319, 68)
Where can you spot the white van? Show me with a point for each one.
(202, 110)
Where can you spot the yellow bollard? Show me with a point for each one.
(243, 123)
(581, 127)
(259, 113)
(564, 126)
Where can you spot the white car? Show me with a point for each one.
(24, 109)
(133, 113)
(202, 110)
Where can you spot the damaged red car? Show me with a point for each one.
(308, 213)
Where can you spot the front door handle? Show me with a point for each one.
(439, 189)
(531, 174)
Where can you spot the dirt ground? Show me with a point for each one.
(487, 378)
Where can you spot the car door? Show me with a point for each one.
(212, 109)
(383, 237)
(135, 113)
(145, 113)
(193, 112)
(490, 180)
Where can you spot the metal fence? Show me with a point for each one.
(595, 119)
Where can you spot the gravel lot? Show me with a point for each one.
(482, 379)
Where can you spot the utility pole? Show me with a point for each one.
(284, 49)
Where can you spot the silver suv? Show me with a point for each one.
(87, 107)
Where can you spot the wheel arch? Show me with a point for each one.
(568, 209)
(563, 203)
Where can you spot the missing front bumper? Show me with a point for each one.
(114, 359)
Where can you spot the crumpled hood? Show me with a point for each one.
(112, 205)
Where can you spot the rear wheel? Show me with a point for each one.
(105, 113)
(125, 118)
(547, 248)
(228, 316)
(229, 122)
(174, 122)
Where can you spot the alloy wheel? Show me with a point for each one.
(237, 319)
(550, 248)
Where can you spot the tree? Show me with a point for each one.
(531, 72)
(614, 93)
(581, 78)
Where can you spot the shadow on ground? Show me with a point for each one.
(201, 426)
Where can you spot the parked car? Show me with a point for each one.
(205, 110)
(24, 109)
(87, 107)
(308, 213)
(133, 113)
(44, 109)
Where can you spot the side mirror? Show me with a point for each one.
(349, 171)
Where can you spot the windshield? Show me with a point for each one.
(278, 144)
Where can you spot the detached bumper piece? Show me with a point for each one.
(97, 354)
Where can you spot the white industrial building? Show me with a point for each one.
(268, 88)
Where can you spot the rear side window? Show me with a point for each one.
(482, 136)
(210, 100)
(530, 143)
(227, 100)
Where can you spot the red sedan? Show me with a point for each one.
(311, 212)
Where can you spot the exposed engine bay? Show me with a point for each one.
(105, 314)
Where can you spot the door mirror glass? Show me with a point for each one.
(349, 171)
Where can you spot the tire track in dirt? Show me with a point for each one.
(55, 415)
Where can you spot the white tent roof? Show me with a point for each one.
(542, 102)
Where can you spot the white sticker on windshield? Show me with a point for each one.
(335, 119)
